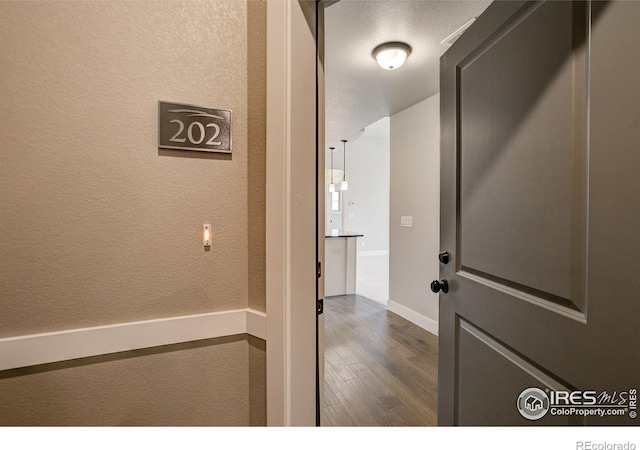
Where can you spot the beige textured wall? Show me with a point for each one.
(257, 381)
(257, 128)
(177, 385)
(97, 226)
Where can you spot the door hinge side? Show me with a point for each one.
(320, 306)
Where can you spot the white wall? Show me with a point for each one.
(415, 191)
(365, 206)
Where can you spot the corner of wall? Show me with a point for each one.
(257, 143)
(257, 381)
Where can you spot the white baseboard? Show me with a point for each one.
(44, 348)
(373, 253)
(422, 321)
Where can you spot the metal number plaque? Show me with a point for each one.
(189, 127)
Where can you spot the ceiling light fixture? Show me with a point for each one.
(391, 55)
(344, 186)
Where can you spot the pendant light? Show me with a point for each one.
(332, 187)
(344, 186)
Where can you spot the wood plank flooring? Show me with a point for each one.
(380, 369)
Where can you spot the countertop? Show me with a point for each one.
(335, 233)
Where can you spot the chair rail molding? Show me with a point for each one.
(45, 348)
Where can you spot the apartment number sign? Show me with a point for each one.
(190, 127)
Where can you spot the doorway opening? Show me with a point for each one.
(390, 120)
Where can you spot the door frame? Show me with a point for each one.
(291, 214)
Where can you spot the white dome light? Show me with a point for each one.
(391, 55)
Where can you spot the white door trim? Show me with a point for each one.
(290, 216)
(277, 233)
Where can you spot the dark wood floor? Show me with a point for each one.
(380, 369)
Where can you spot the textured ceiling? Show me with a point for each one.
(358, 92)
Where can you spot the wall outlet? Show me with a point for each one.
(406, 221)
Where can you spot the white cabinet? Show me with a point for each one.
(340, 263)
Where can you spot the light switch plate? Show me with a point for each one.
(406, 221)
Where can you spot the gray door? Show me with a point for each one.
(540, 215)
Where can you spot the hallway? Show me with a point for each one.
(380, 369)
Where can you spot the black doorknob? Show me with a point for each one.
(437, 286)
